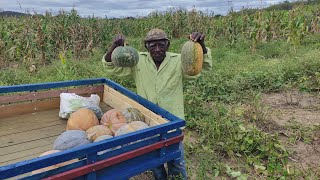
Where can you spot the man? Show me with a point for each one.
(159, 78)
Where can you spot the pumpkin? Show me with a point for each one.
(125, 56)
(103, 137)
(191, 58)
(133, 114)
(82, 119)
(71, 139)
(97, 131)
(113, 119)
(131, 127)
(53, 166)
(96, 109)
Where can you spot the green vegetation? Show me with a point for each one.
(229, 132)
(39, 39)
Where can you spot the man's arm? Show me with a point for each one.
(207, 61)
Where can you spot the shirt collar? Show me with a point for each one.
(163, 64)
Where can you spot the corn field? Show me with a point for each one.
(40, 39)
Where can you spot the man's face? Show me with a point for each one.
(158, 49)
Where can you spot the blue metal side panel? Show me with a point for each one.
(55, 171)
(104, 156)
(40, 162)
(135, 146)
(91, 158)
(137, 165)
(122, 170)
(50, 85)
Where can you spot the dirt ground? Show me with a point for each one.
(144, 176)
(301, 110)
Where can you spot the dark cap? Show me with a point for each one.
(156, 34)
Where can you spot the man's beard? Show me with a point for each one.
(158, 57)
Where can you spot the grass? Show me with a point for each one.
(223, 108)
(214, 104)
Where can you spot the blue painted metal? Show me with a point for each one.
(136, 145)
(50, 85)
(163, 136)
(33, 164)
(116, 160)
(107, 155)
(55, 171)
(91, 158)
(139, 164)
(149, 136)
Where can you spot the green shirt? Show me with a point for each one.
(164, 86)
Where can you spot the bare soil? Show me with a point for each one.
(293, 106)
(300, 109)
(148, 175)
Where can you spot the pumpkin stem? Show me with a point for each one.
(89, 136)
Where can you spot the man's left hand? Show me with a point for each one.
(199, 37)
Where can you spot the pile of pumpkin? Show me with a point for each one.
(84, 127)
(87, 125)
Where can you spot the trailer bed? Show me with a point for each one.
(26, 136)
(30, 123)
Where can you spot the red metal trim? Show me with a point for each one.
(48, 94)
(114, 160)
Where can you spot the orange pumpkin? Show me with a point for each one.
(53, 166)
(113, 119)
(97, 131)
(131, 127)
(103, 137)
(82, 119)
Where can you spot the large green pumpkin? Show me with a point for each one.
(191, 58)
(125, 56)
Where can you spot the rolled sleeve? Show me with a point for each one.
(207, 61)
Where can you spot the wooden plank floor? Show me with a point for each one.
(26, 136)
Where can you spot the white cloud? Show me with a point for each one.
(122, 8)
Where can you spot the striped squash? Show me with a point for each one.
(192, 58)
(125, 56)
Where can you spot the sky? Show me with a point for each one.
(129, 8)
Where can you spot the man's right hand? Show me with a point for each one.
(199, 37)
(118, 40)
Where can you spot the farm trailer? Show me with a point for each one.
(29, 124)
